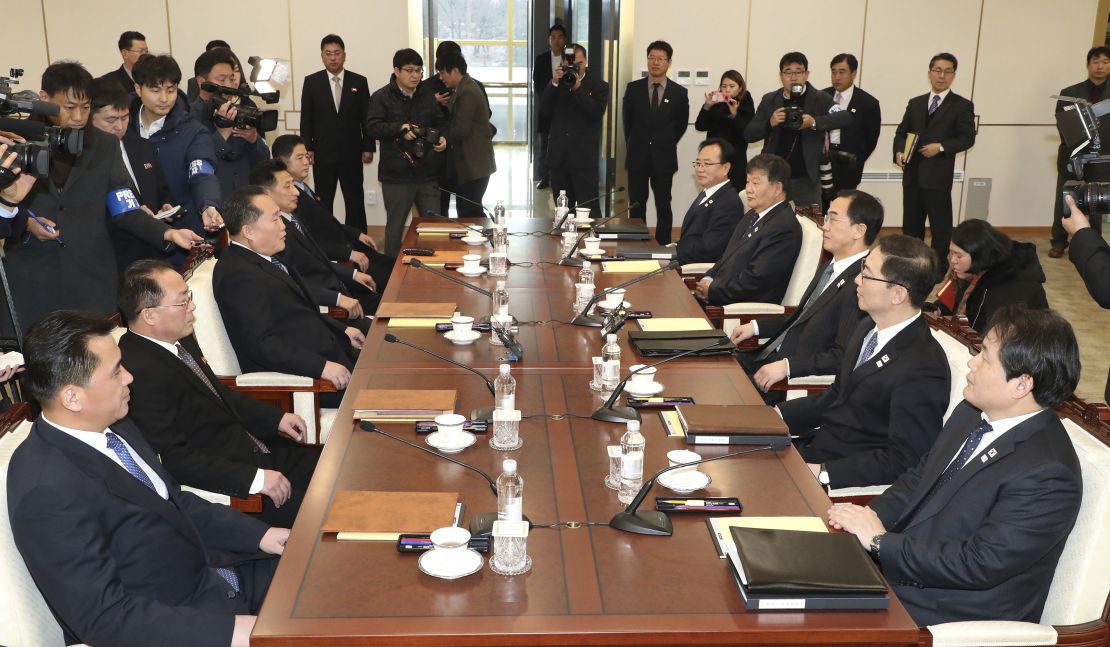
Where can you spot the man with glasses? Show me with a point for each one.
(792, 123)
(655, 113)
(207, 435)
(712, 217)
(404, 116)
(132, 46)
(885, 408)
(940, 124)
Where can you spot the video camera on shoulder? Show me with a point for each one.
(569, 67)
(246, 115)
(1078, 126)
(793, 107)
(33, 156)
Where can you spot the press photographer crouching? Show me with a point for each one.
(1091, 256)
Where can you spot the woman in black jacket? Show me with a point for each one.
(988, 270)
(725, 114)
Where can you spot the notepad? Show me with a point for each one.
(440, 257)
(674, 324)
(414, 322)
(403, 405)
(437, 311)
(719, 528)
(910, 147)
(382, 516)
(444, 229)
(630, 267)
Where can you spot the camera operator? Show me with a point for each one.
(404, 117)
(81, 196)
(1091, 256)
(469, 133)
(792, 122)
(238, 149)
(574, 103)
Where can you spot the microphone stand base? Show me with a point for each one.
(616, 414)
(484, 413)
(643, 522)
(485, 320)
(593, 321)
(572, 262)
(481, 525)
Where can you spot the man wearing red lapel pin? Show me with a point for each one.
(974, 531)
(885, 408)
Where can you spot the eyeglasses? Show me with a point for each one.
(701, 164)
(412, 70)
(829, 220)
(139, 51)
(794, 74)
(864, 275)
(942, 71)
(188, 300)
(657, 59)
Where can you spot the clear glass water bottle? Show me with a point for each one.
(499, 213)
(611, 363)
(510, 493)
(499, 316)
(632, 462)
(504, 388)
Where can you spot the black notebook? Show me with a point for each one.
(623, 230)
(667, 343)
(793, 562)
(641, 249)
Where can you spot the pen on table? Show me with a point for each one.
(46, 227)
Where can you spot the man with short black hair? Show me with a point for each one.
(469, 134)
(192, 90)
(542, 72)
(884, 410)
(975, 529)
(132, 47)
(712, 217)
(850, 147)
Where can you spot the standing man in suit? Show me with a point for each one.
(759, 258)
(655, 112)
(944, 123)
(270, 316)
(93, 510)
(974, 531)
(884, 410)
(850, 147)
(574, 109)
(712, 217)
(792, 123)
(811, 340)
(207, 435)
(1092, 90)
(132, 46)
(469, 134)
(542, 72)
(333, 114)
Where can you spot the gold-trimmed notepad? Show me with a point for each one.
(415, 310)
(415, 322)
(382, 516)
(674, 324)
(403, 405)
(629, 267)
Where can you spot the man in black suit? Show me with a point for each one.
(132, 45)
(1091, 256)
(759, 258)
(270, 316)
(655, 112)
(974, 531)
(811, 340)
(850, 147)
(207, 435)
(575, 109)
(944, 123)
(121, 554)
(333, 112)
(542, 72)
(1092, 90)
(884, 410)
(713, 215)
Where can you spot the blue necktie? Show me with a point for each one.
(934, 104)
(972, 442)
(868, 348)
(278, 264)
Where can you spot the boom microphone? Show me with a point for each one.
(417, 263)
(484, 413)
(584, 319)
(569, 258)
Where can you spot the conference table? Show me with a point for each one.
(589, 584)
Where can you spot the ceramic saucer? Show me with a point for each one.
(477, 240)
(464, 339)
(582, 224)
(601, 306)
(583, 252)
(465, 272)
(649, 390)
(435, 439)
(450, 564)
(685, 482)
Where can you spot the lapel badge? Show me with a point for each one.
(983, 458)
(886, 358)
(666, 100)
(755, 230)
(851, 110)
(708, 202)
(993, 452)
(148, 165)
(354, 89)
(840, 283)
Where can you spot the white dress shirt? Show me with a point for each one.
(845, 99)
(888, 333)
(146, 131)
(711, 190)
(997, 429)
(838, 269)
(98, 441)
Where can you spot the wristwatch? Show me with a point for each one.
(876, 541)
(823, 475)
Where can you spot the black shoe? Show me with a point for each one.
(543, 184)
(1057, 250)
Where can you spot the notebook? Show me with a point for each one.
(382, 516)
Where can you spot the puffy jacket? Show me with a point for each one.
(235, 156)
(389, 109)
(1018, 278)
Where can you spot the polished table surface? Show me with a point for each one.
(589, 585)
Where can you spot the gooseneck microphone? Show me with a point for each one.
(611, 413)
(559, 225)
(584, 319)
(653, 522)
(419, 264)
(569, 258)
(371, 427)
(483, 413)
(481, 230)
(489, 214)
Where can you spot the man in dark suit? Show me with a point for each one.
(1092, 90)
(974, 531)
(884, 410)
(93, 510)
(207, 435)
(270, 316)
(575, 110)
(797, 137)
(712, 217)
(850, 147)
(333, 111)
(132, 45)
(944, 123)
(759, 258)
(1091, 256)
(542, 72)
(655, 112)
(811, 340)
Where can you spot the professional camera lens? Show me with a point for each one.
(32, 158)
(1096, 199)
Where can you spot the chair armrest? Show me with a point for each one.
(811, 380)
(991, 633)
(691, 282)
(277, 382)
(691, 269)
(252, 503)
(857, 495)
(754, 308)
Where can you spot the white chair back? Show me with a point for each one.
(958, 356)
(209, 327)
(809, 257)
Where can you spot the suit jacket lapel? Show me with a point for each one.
(823, 299)
(179, 366)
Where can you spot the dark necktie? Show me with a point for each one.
(129, 464)
(278, 264)
(308, 191)
(655, 87)
(822, 283)
(194, 366)
(972, 442)
(934, 104)
(868, 348)
(1096, 93)
(297, 223)
(751, 225)
(698, 200)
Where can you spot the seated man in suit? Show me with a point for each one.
(811, 340)
(270, 316)
(121, 554)
(884, 410)
(207, 435)
(330, 284)
(975, 529)
(712, 217)
(759, 258)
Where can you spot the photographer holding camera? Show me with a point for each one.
(792, 122)
(574, 102)
(404, 116)
(14, 184)
(1091, 256)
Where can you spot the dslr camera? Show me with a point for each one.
(1078, 126)
(414, 151)
(246, 115)
(793, 107)
(569, 67)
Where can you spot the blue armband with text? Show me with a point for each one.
(121, 201)
(200, 167)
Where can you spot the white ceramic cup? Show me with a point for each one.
(643, 379)
(450, 538)
(581, 214)
(613, 299)
(592, 244)
(472, 262)
(450, 425)
(462, 324)
(681, 457)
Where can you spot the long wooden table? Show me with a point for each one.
(589, 585)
